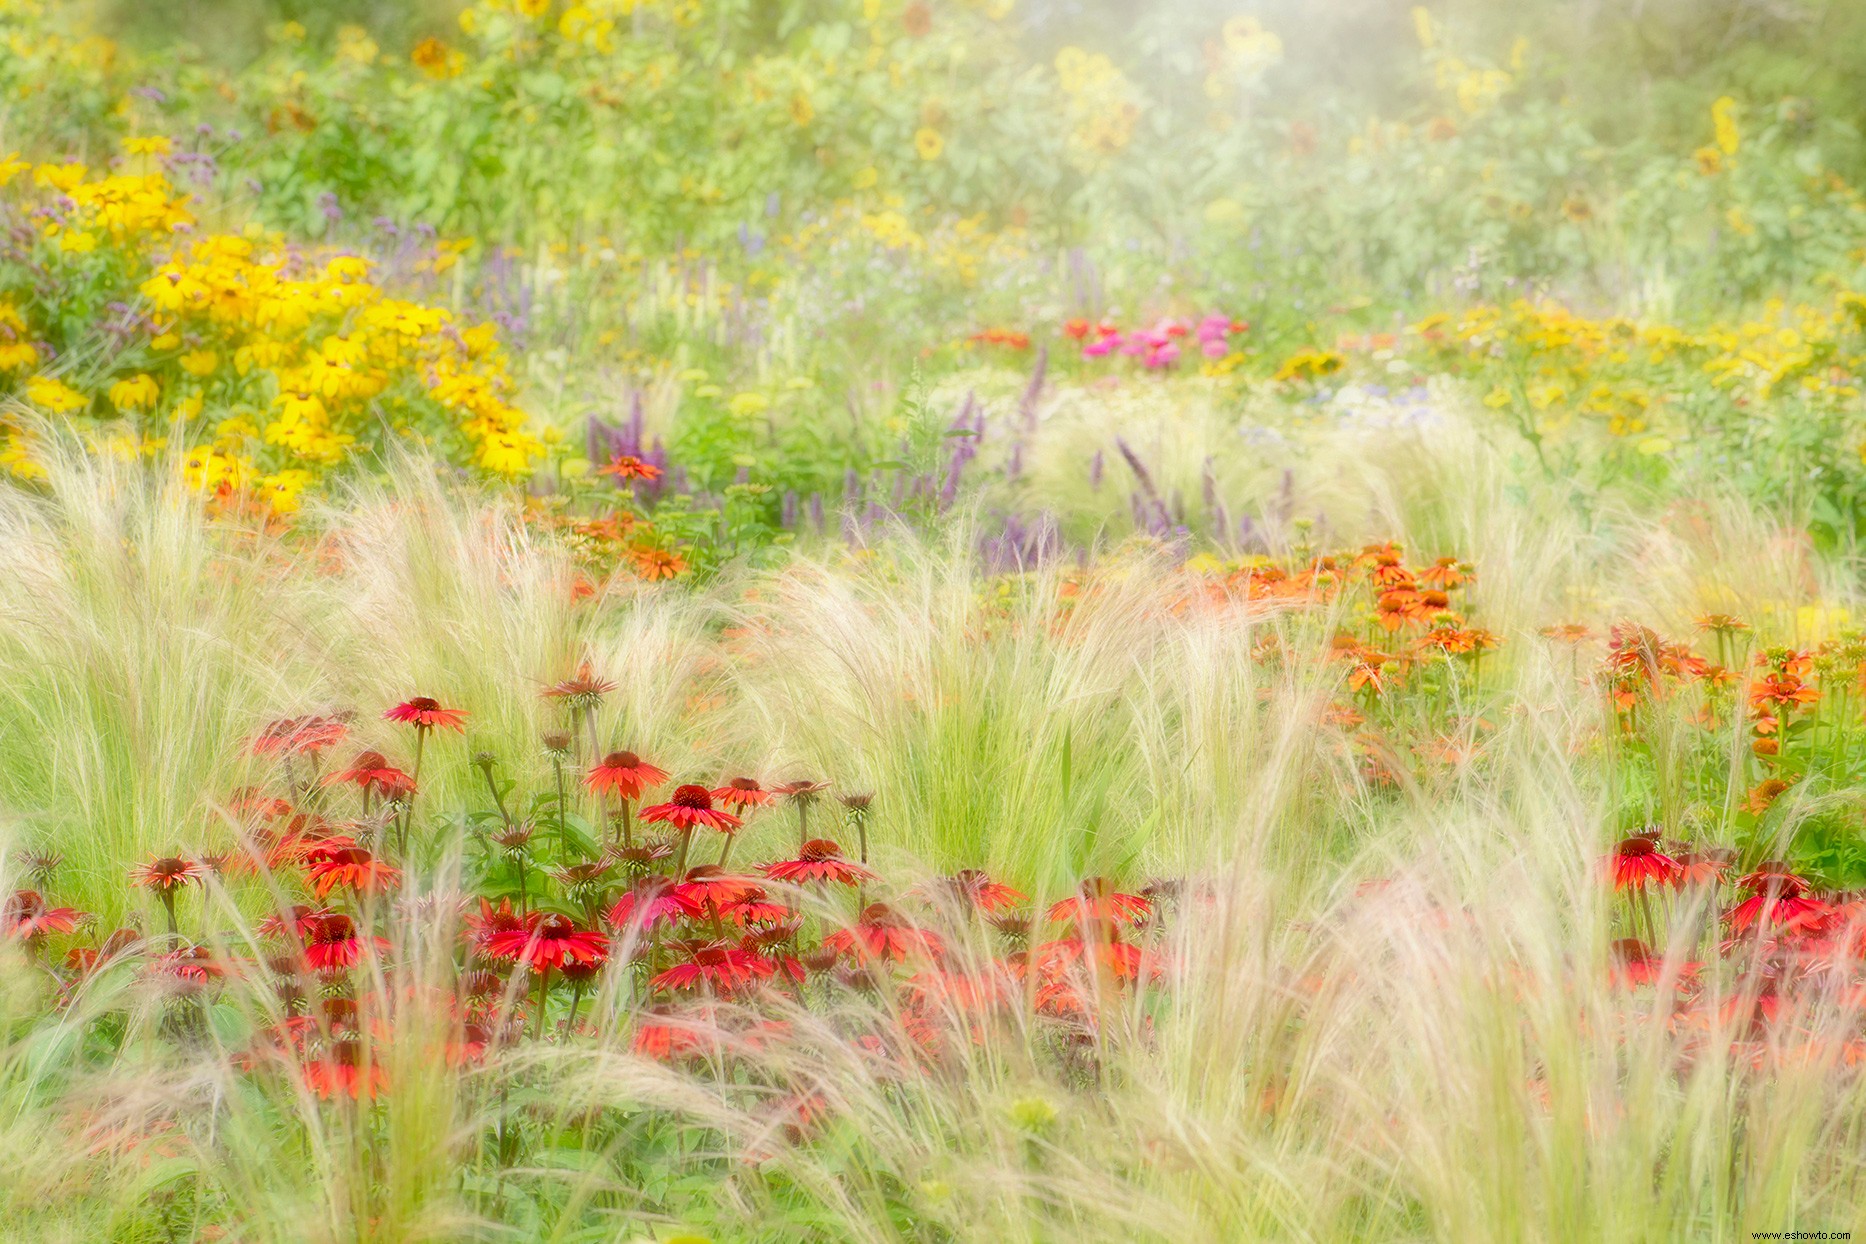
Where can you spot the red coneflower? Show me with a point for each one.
(28, 918)
(1096, 901)
(586, 690)
(625, 775)
(547, 940)
(664, 1036)
(880, 932)
(719, 965)
(298, 922)
(293, 736)
(1703, 868)
(1637, 862)
(490, 920)
(713, 889)
(742, 794)
(1635, 965)
(690, 808)
(1776, 896)
(652, 900)
(803, 793)
(426, 714)
(354, 867)
(372, 772)
(345, 1068)
(820, 860)
(975, 889)
(166, 876)
(755, 907)
(333, 944)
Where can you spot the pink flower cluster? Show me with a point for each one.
(1158, 346)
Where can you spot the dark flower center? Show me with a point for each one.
(695, 797)
(820, 849)
(621, 760)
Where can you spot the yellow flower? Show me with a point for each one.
(436, 59)
(928, 144)
(138, 392)
(802, 111)
(10, 167)
(1723, 118)
(200, 362)
(866, 178)
(53, 394)
(747, 404)
(80, 242)
(533, 9)
(156, 145)
(1422, 26)
(18, 355)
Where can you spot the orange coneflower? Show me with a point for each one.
(425, 714)
(627, 467)
(355, 867)
(1097, 901)
(657, 564)
(975, 889)
(819, 860)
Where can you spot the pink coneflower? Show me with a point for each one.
(820, 860)
(718, 965)
(332, 943)
(1096, 901)
(624, 774)
(742, 794)
(426, 714)
(1637, 862)
(28, 918)
(372, 772)
(882, 933)
(354, 867)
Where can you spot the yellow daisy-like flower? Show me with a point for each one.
(156, 145)
(18, 355)
(138, 392)
(200, 362)
(928, 144)
(53, 394)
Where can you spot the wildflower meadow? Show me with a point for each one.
(927, 621)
